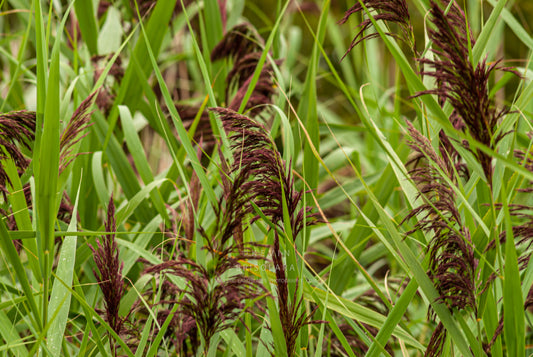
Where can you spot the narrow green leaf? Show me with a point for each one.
(110, 36)
(121, 167)
(357, 312)
(307, 110)
(157, 340)
(12, 257)
(514, 25)
(182, 132)
(13, 342)
(513, 304)
(46, 177)
(85, 15)
(487, 32)
(277, 329)
(394, 317)
(214, 30)
(233, 342)
(262, 59)
(130, 92)
(139, 157)
(123, 214)
(60, 295)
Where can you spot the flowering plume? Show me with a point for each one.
(391, 11)
(243, 45)
(75, 130)
(462, 84)
(452, 265)
(522, 232)
(240, 41)
(292, 320)
(17, 130)
(109, 275)
(263, 172)
(213, 299)
(216, 295)
(260, 176)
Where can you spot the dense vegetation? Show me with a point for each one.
(249, 178)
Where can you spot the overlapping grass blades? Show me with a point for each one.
(290, 178)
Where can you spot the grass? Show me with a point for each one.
(242, 178)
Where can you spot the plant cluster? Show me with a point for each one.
(286, 178)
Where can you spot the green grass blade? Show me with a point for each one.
(12, 257)
(277, 330)
(88, 25)
(514, 25)
(60, 295)
(262, 59)
(46, 177)
(487, 32)
(139, 157)
(121, 166)
(307, 109)
(513, 304)
(18, 62)
(157, 341)
(356, 311)
(394, 318)
(12, 341)
(144, 337)
(233, 342)
(213, 23)
(182, 132)
(130, 92)
(336, 330)
(356, 239)
(124, 213)
(22, 214)
(216, 125)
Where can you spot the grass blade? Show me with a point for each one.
(60, 295)
(513, 304)
(86, 18)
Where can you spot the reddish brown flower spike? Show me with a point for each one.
(452, 265)
(109, 275)
(462, 84)
(391, 11)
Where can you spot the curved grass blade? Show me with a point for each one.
(129, 92)
(139, 157)
(12, 256)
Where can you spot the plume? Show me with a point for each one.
(390, 11)
(462, 84)
(452, 265)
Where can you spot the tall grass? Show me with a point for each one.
(281, 178)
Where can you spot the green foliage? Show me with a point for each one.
(257, 178)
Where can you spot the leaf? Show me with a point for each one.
(110, 36)
(61, 296)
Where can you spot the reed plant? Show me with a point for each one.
(287, 178)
